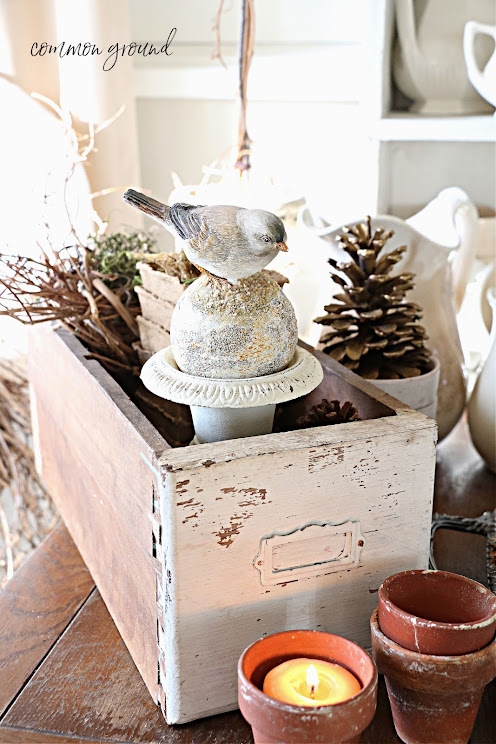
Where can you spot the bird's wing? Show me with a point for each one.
(210, 233)
(187, 221)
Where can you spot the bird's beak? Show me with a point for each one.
(282, 247)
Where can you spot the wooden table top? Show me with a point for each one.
(65, 674)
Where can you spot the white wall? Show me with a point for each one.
(309, 73)
(305, 85)
(277, 21)
(420, 170)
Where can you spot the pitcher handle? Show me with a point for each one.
(453, 212)
(465, 219)
(305, 221)
(472, 28)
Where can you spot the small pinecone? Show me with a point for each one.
(374, 331)
(328, 412)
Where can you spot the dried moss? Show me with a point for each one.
(115, 257)
(173, 264)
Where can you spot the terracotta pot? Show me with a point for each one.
(436, 612)
(274, 722)
(434, 699)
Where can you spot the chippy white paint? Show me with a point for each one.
(161, 375)
(219, 501)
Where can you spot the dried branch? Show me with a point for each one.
(117, 304)
(217, 53)
(67, 286)
(26, 511)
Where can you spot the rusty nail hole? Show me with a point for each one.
(259, 563)
(360, 543)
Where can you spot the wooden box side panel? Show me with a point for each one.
(218, 517)
(95, 452)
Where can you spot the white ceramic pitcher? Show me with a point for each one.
(482, 406)
(444, 230)
(484, 81)
(428, 61)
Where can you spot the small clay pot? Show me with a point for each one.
(274, 722)
(419, 392)
(436, 612)
(434, 699)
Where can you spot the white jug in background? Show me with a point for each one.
(428, 65)
(482, 405)
(484, 81)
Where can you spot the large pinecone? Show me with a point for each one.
(374, 331)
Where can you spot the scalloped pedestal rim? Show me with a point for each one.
(161, 376)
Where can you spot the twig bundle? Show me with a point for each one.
(67, 286)
(27, 514)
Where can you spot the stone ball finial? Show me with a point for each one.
(219, 330)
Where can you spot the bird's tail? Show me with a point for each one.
(146, 204)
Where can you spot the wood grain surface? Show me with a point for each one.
(21, 736)
(36, 606)
(463, 486)
(89, 688)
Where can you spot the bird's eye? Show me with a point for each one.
(266, 238)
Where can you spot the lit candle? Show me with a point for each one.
(310, 682)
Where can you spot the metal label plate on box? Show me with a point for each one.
(314, 549)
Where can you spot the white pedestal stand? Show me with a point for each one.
(234, 408)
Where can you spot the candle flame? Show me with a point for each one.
(312, 679)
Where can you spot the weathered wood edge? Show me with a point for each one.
(171, 459)
(404, 419)
(217, 452)
(114, 391)
(131, 419)
(358, 382)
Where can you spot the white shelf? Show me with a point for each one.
(410, 128)
(278, 73)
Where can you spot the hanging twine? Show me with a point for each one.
(245, 54)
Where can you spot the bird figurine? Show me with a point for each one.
(229, 242)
